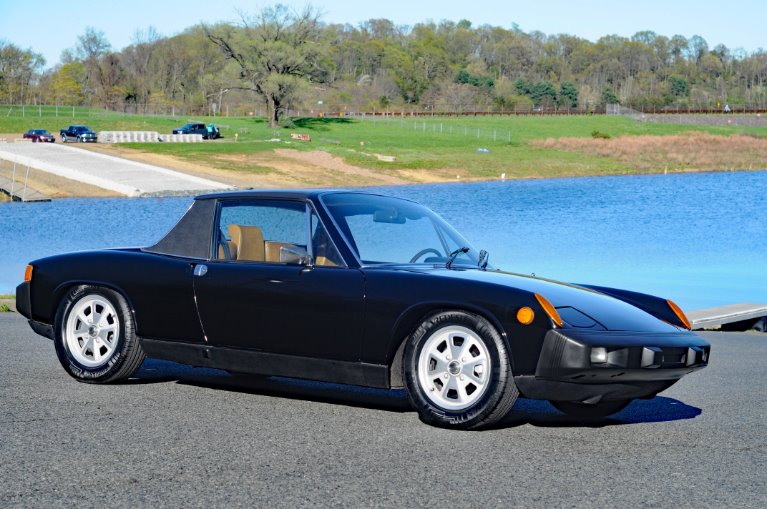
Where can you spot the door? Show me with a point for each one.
(278, 285)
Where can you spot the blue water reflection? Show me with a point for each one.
(698, 238)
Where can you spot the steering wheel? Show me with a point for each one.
(423, 252)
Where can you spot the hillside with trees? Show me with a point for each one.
(279, 61)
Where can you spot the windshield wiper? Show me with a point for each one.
(454, 255)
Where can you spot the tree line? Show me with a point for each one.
(280, 60)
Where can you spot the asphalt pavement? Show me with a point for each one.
(183, 437)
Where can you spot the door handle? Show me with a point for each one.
(200, 270)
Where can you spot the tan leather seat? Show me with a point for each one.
(325, 262)
(222, 255)
(272, 249)
(248, 242)
(323, 249)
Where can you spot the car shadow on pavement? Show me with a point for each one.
(543, 414)
(525, 411)
(157, 371)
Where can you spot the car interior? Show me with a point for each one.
(246, 243)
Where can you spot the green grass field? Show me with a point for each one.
(433, 143)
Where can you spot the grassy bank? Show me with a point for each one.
(7, 303)
(517, 146)
(443, 148)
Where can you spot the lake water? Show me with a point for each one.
(699, 239)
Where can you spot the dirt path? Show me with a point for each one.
(279, 168)
(283, 167)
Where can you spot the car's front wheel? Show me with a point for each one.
(594, 411)
(95, 335)
(457, 371)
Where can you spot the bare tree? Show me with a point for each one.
(278, 51)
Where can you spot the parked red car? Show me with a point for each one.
(39, 135)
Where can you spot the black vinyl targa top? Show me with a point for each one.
(190, 238)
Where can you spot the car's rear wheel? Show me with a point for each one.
(95, 335)
(457, 371)
(594, 411)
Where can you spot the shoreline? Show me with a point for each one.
(286, 165)
(40, 180)
(107, 194)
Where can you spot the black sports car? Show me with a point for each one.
(362, 289)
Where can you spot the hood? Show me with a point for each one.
(572, 301)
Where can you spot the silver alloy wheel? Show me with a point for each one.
(454, 368)
(92, 331)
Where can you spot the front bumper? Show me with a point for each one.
(23, 300)
(579, 365)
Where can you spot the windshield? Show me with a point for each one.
(381, 229)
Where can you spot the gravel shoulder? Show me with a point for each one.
(180, 436)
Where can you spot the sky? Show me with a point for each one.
(48, 26)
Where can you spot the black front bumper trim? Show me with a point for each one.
(44, 329)
(630, 356)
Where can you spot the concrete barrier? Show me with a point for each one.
(146, 137)
(128, 136)
(181, 138)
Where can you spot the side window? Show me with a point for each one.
(258, 230)
(325, 252)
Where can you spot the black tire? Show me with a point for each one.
(126, 356)
(499, 392)
(588, 412)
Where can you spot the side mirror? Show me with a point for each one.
(484, 259)
(295, 255)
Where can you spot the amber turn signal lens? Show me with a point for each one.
(525, 315)
(679, 314)
(550, 310)
(28, 274)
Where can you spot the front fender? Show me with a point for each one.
(656, 306)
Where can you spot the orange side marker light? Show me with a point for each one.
(550, 310)
(679, 314)
(525, 315)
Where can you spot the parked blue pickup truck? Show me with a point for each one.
(79, 133)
